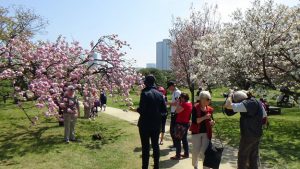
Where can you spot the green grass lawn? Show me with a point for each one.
(42, 146)
(280, 145)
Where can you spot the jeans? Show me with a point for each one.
(248, 153)
(69, 124)
(145, 136)
(184, 143)
(172, 126)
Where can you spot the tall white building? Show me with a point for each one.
(163, 54)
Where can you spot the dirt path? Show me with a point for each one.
(229, 157)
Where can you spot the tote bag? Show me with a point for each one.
(213, 154)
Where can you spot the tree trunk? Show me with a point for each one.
(87, 111)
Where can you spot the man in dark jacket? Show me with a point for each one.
(151, 106)
(250, 126)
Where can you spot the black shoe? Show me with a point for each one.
(185, 155)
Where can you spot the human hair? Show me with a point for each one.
(204, 95)
(185, 96)
(149, 80)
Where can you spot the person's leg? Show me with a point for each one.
(172, 127)
(101, 105)
(243, 155)
(104, 107)
(163, 128)
(97, 111)
(204, 144)
(178, 148)
(155, 147)
(72, 126)
(253, 160)
(196, 149)
(144, 136)
(67, 126)
(185, 143)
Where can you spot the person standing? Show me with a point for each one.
(164, 116)
(201, 127)
(151, 105)
(252, 113)
(183, 110)
(171, 86)
(70, 106)
(103, 100)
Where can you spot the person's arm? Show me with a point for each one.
(173, 103)
(176, 95)
(239, 107)
(142, 103)
(194, 115)
(179, 109)
(163, 106)
(212, 121)
(78, 108)
(236, 107)
(201, 119)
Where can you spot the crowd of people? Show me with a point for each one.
(185, 117)
(198, 119)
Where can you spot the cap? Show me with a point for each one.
(239, 96)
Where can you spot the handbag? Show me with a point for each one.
(213, 154)
(179, 131)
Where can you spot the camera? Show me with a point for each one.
(225, 95)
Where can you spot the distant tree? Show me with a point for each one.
(19, 22)
(161, 78)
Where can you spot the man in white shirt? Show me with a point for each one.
(252, 113)
(171, 86)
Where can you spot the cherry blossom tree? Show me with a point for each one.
(184, 33)
(49, 67)
(258, 47)
(264, 44)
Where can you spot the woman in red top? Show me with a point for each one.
(183, 110)
(201, 127)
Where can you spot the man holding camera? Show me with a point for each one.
(250, 126)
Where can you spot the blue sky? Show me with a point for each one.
(140, 22)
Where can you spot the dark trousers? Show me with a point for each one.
(184, 143)
(146, 135)
(172, 127)
(163, 123)
(248, 153)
